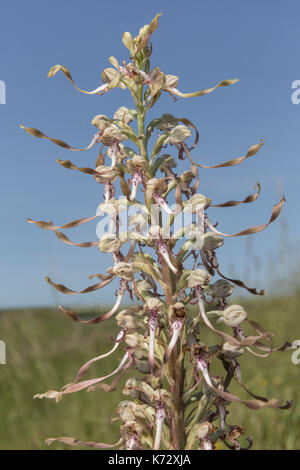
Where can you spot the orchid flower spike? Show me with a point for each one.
(166, 267)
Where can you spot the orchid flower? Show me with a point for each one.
(178, 316)
(109, 191)
(156, 235)
(201, 365)
(155, 189)
(137, 166)
(160, 418)
(112, 152)
(153, 306)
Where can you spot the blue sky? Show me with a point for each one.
(202, 42)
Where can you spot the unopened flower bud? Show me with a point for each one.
(197, 203)
(114, 206)
(233, 315)
(137, 163)
(171, 82)
(198, 277)
(109, 243)
(125, 115)
(111, 134)
(178, 135)
(105, 173)
(153, 303)
(187, 177)
(144, 32)
(123, 270)
(127, 40)
(101, 122)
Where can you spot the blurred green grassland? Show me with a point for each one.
(45, 350)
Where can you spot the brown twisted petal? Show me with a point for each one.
(202, 92)
(70, 166)
(73, 315)
(257, 228)
(101, 276)
(71, 441)
(252, 404)
(248, 199)
(77, 387)
(284, 347)
(260, 330)
(49, 225)
(235, 161)
(61, 236)
(87, 365)
(65, 290)
(239, 283)
(287, 406)
(60, 143)
(112, 387)
(256, 404)
(67, 73)
(106, 387)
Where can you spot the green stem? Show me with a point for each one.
(141, 123)
(176, 370)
